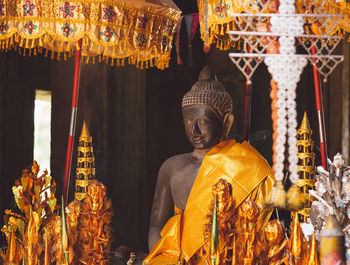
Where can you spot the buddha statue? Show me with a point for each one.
(185, 181)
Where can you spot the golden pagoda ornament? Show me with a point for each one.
(306, 164)
(85, 171)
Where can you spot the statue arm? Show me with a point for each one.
(162, 207)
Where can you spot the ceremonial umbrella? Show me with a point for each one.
(215, 22)
(140, 31)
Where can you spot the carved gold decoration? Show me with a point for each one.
(85, 171)
(38, 235)
(278, 253)
(56, 250)
(95, 232)
(239, 240)
(35, 198)
(248, 247)
(225, 224)
(306, 165)
(73, 211)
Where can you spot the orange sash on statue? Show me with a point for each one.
(248, 173)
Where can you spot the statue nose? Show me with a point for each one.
(195, 129)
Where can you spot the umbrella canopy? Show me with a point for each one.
(141, 30)
(332, 26)
(216, 20)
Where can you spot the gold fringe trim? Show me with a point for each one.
(27, 47)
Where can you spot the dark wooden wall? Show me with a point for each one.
(19, 77)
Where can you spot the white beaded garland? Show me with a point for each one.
(285, 67)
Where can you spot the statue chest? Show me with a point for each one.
(181, 183)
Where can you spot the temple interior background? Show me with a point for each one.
(134, 117)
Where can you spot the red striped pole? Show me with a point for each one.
(72, 123)
(320, 113)
(247, 105)
(247, 110)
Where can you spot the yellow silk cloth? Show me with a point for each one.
(141, 30)
(250, 177)
(169, 244)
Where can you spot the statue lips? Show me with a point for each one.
(198, 140)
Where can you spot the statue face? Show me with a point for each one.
(222, 191)
(274, 232)
(96, 192)
(202, 125)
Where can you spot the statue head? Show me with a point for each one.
(73, 211)
(222, 190)
(96, 194)
(207, 112)
(274, 232)
(249, 211)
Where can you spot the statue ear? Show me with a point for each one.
(227, 124)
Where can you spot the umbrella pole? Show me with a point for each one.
(320, 114)
(72, 123)
(247, 105)
(247, 111)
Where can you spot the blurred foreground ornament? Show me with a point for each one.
(85, 171)
(332, 197)
(332, 249)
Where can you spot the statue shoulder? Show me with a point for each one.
(175, 162)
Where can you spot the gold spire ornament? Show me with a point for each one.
(306, 165)
(297, 243)
(313, 258)
(85, 171)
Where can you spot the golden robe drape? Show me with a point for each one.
(238, 163)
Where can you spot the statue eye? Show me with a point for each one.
(203, 122)
(187, 122)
